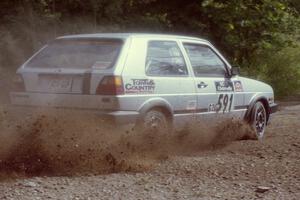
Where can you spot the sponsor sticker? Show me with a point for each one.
(144, 86)
(238, 87)
(212, 107)
(224, 86)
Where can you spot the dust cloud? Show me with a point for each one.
(68, 142)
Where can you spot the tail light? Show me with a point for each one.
(111, 85)
(18, 83)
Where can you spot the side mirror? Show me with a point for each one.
(235, 71)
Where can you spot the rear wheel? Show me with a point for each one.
(259, 120)
(153, 130)
(155, 122)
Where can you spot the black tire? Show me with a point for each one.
(155, 122)
(259, 120)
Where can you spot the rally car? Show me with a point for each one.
(160, 82)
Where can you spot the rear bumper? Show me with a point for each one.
(79, 101)
(104, 107)
(120, 117)
(273, 108)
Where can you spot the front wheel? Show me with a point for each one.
(259, 120)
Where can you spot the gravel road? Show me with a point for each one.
(243, 169)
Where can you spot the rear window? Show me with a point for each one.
(78, 53)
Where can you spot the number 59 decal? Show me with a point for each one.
(224, 103)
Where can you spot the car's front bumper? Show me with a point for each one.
(273, 108)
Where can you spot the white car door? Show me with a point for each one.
(215, 91)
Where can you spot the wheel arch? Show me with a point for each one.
(261, 99)
(157, 103)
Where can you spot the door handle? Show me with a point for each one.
(202, 85)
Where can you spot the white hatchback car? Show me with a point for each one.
(157, 81)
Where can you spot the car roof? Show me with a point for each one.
(127, 35)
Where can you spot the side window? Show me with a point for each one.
(205, 61)
(164, 58)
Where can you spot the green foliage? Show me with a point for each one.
(280, 69)
(244, 30)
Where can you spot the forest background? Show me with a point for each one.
(260, 36)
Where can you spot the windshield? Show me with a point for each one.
(78, 53)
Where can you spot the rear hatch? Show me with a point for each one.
(65, 66)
